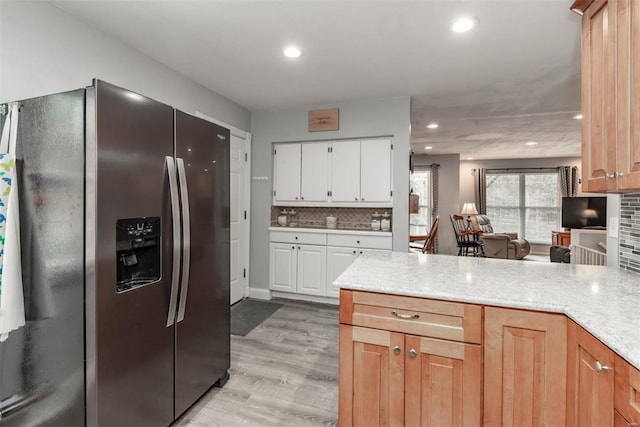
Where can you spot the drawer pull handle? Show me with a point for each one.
(405, 316)
(396, 349)
(413, 353)
(600, 367)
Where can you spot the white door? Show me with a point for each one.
(345, 171)
(375, 170)
(237, 208)
(338, 260)
(283, 257)
(315, 166)
(286, 172)
(312, 269)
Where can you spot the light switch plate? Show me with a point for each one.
(613, 227)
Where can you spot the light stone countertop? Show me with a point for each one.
(603, 300)
(329, 230)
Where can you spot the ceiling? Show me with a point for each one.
(515, 78)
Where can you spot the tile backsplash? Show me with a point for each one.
(629, 236)
(348, 218)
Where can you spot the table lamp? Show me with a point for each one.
(469, 209)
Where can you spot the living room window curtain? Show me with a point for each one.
(568, 180)
(481, 190)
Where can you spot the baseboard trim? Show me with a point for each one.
(301, 297)
(263, 294)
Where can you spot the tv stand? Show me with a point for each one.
(561, 238)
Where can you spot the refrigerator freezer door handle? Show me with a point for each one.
(175, 219)
(186, 238)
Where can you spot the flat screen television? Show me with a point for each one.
(584, 212)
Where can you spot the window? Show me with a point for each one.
(528, 203)
(421, 185)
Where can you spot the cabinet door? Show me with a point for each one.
(338, 260)
(599, 96)
(375, 170)
(315, 166)
(443, 385)
(371, 377)
(627, 391)
(312, 270)
(283, 260)
(345, 171)
(286, 172)
(525, 359)
(628, 155)
(589, 387)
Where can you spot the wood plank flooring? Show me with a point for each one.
(283, 373)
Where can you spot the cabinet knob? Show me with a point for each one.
(360, 252)
(301, 198)
(293, 247)
(358, 241)
(362, 199)
(354, 252)
(296, 237)
(600, 367)
(356, 199)
(296, 197)
(413, 353)
(396, 349)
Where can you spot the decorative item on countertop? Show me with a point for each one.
(12, 314)
(283, 219)
(332, 221)
(292, 217)
(385, 222)
(375, 221)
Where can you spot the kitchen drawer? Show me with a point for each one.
(627, 391)
(359, 241)
(300, 238)
(417, 316)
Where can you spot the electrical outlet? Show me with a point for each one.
(613, 227)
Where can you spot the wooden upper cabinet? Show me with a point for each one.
(590, 379)
(610, 94)
(525, 358)
(599, 96)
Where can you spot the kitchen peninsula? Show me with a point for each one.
(443, 340)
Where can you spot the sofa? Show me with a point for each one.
(499, 245)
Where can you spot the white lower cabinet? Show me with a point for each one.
(307, 263)
(338, 260)
(298, 268)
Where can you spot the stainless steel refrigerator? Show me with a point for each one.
(125, 246)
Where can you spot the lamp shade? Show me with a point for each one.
(469, 209)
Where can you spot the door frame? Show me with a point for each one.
(246, 136)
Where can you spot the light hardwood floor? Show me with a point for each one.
(283, 373)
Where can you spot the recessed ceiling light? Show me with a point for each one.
(530, 143)
(462, 25)
(292, 52)
(432, 126)
(428, 147)
(578, 117)
(469, 158)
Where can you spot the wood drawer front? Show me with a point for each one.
(627, 391)
(300, 238)
(427, 318)
(359, 241)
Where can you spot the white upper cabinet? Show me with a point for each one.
(286, 172)
(315, 166)
(339, 173)
(345, 171)
(375, 171)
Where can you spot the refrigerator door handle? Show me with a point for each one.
(186, 238)
(175, 219)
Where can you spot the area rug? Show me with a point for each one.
(249, 313)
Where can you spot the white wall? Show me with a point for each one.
(45, 50)
(448, 197)
(380, 117)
